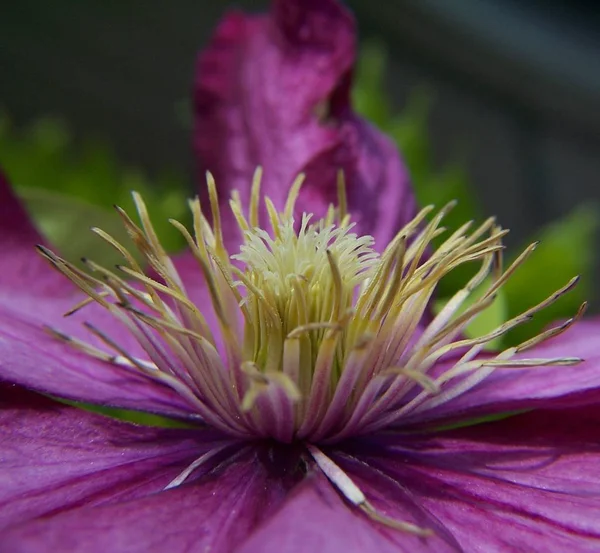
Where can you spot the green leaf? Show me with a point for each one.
(66, 221)
(368, 93)
(479, 420)
(135, 417)
(566, 249)
(64, 185)
(409, 130)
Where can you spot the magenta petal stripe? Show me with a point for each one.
(328, 409)
(530, 481)
(316, 518)
(215, 513)
(55, 458)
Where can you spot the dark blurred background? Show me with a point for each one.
(516, 85)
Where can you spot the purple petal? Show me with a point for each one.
(214, 513)
(32, 294)
(55, 458)
(547, 387)
(316, 518)
(21, 268)
(527, 483)
(31, 357)
(274, 91)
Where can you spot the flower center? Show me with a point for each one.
(316, 336)
(298, 290)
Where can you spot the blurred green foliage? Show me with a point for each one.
(567, 247)
(68, 188)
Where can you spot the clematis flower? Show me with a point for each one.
(322, 411)
(315, 403)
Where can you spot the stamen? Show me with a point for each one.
(346, 486)
(315, 335)
(338, 286)
(97, 353)
(260, 382)
(427, 383)
(255, 198)
(305, 329)
(341, 198)
(216, 212)
(202, 460)
(83, 303)
(292, 197)
(315, 338)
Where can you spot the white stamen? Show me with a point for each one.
(196, 464)
(354, 494)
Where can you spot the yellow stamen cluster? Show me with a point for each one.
(318, 337)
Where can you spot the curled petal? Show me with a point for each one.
(274, 91)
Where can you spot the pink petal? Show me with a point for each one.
(55, 458)
(214, 513)
(21, 268)
(274, 91)
(316, 518)
(33, 358)
(548, 387)
(527, 483)
(32, 295)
